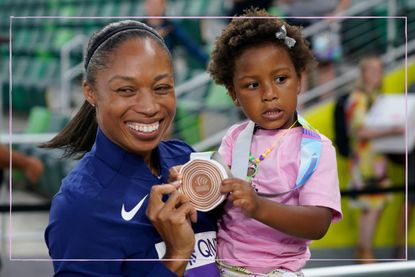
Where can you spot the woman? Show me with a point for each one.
(369, 168)
(111, 209)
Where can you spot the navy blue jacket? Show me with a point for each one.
(98, 223)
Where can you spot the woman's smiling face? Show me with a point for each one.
(266, 86)
(134, 95)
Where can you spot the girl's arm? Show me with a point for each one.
(307, 222)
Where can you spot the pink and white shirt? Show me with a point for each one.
(243, 241)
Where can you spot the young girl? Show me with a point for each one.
(286, 191)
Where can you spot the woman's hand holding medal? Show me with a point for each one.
(172, 220)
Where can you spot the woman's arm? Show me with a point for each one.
(31, 167)
(357, 110)
(365, 133)
(172, 220)
(308, 222)
(85, 241)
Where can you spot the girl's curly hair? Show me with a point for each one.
(250, 31)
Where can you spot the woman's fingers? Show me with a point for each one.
(158, 191)
(176, 183)
(164, 210)
(174, 173)
(181, 203)
(175, 200)
(188, 211)
(155, 202)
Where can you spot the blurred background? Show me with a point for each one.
(42, 90)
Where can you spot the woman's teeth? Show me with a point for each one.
(144, 128)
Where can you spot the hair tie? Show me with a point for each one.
(282, 34)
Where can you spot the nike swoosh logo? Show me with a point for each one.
(127, 216)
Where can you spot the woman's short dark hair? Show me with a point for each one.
(249, 31)
(79, 134)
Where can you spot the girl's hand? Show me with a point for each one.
(242, 195)
(172, 220)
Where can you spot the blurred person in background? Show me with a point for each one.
(175, 36)
(310, 8)
(368, 168)
(238, 6)
(317, 8)
(31, 167)
(172, 33)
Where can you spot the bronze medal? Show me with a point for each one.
(201, 181)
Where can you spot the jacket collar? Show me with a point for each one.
(123, 162)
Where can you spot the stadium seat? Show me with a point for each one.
(38, 120)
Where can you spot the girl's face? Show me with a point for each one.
(134, 95)
(266, 85)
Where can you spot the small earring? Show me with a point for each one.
(93, 105)
(236, 102)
